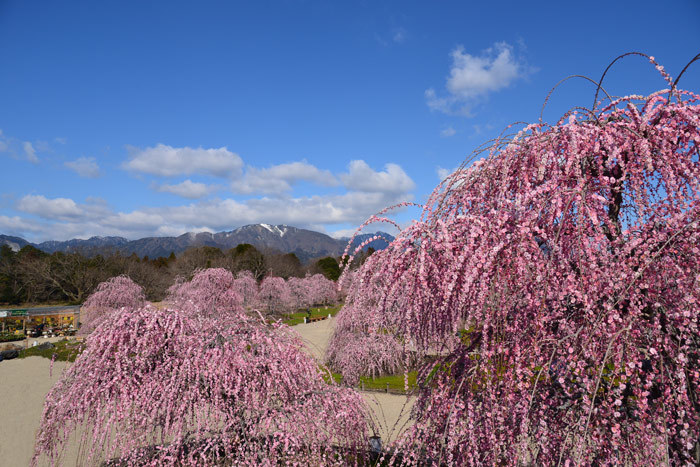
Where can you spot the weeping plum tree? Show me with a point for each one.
(364, 342)
(118, 293)
(246, 285)
(211, 291)
(558, 281)
(186, 386)
(274, 295)
(357, 351)
(322, 291)
(299, 293)
(345, 284)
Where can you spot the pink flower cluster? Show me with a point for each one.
(113, 296)
(274, 295)
(278, 295)
(247, 287)
(557, 282)
(364, 342)
(212, 292)
(216, 291)
(200, 383)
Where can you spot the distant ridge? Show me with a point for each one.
(306, 244)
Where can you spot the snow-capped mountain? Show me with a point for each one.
(306, 244)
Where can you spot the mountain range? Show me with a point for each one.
(306, 244)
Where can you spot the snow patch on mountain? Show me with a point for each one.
(275, 229)
(13, 246)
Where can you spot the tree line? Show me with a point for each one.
(31, 276)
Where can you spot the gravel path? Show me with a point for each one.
(391, 411)
(24, 384)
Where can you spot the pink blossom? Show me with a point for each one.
(172, 387)
(553, 286)
(119, 294)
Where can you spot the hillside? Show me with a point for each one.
(306, 244)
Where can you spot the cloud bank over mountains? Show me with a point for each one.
(217, 190)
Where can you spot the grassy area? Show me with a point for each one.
(317, 312)
(395, 382)
(65, 350)
(337, 377)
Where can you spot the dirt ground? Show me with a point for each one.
(391, 411)
(24, 384)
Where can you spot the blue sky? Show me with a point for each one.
(158, 118)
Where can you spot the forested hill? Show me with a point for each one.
(305, 244)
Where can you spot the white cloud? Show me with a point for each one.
(362, 178)
(358, 193)
(18, 226)
(447, 132)
(57, 208)
(63, 209)
(351, 207)
(22, 149)
(85, 167)
(481, 128)
(30, 152)
(63, 218)
(187, 189)
(42, 146)
(475, 77)
(342, 233)
(443, 173)
(280, 178)
(472, 76)
(443, 104)
(135, 221)
(395, 36)
(168, 161)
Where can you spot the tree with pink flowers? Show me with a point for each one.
(247, 287)
(110, 297)
(557, 283)
(299, 292)
(210, 292)
(322, 291)
(194, 385)
(357, 348)
(345, 283)
(274, 295)
(365, 342)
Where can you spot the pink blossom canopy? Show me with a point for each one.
(559, 281)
